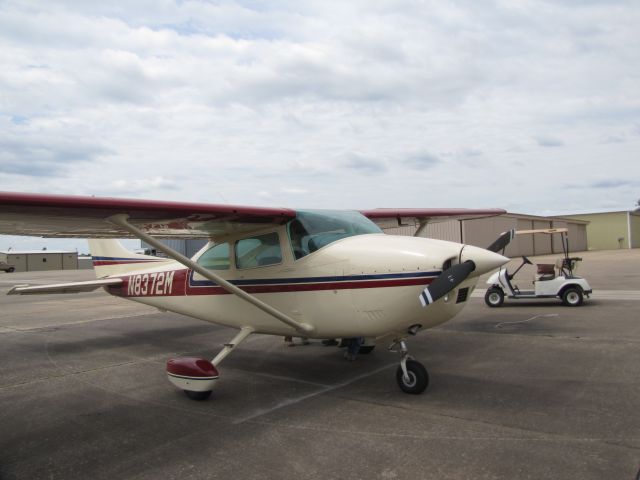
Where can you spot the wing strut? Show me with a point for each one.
(121, 221)
(228, 347)
(422, 228)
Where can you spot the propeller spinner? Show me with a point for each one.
(473, 259)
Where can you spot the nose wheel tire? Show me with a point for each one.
(417, 378)
(494, 297)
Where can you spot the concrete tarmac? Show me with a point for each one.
(532, 390)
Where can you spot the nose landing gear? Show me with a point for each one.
(411, 375)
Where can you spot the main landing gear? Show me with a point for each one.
(411, 375)
(197, 376)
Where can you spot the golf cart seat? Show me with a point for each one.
(546, 271)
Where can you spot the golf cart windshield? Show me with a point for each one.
(313, 229)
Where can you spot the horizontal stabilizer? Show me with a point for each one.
(74, 287)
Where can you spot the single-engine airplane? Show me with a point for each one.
(309, 273)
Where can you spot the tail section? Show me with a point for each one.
(110, 258)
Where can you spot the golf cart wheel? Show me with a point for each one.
(494, 297)
(11, 269)
(418, 378)
(572, 297)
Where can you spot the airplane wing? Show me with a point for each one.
(396, 217)
(85, 217)
(73, 287)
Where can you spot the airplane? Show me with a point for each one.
(319, 274)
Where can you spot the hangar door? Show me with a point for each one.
(541, 241)
(577, 237)
(69, 261)
(634, 230)
(44, 261)
(18, 261)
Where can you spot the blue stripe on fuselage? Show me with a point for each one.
(342, 278)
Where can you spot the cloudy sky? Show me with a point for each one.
(531, 106)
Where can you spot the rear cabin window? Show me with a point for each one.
(313, 229)
(216, 258)
(258, 251)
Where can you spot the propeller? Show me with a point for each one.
(446, 281)
(502, 241)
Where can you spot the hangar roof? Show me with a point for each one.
(33, 252)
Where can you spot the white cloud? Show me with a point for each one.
(293, 190)
(142, 184)
(323, 104)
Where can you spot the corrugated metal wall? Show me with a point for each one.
(193, 246)
(524, 243)
(606, 231)
(44, 261)
(408, 230)
(19, 261)
(188, 248)
(482, 232)
(577, 237)
(448, 230)
(557, 241)
(32, 262)
(634, 227)
(69, 261)
(542, 242)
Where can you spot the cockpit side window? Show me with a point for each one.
(216, 258)
(297, 233)
(313, 229)
(258, 251)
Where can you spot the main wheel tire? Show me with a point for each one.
(418, 378)
(494, 297)
(197, 395)
(366, 349)
(572, 297)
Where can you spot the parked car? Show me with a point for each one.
(6, 267)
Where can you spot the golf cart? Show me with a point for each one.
(551, 280)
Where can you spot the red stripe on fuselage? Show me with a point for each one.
(152, 285)
(309, 287)
(100, 263)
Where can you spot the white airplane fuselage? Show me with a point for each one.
(364, 285)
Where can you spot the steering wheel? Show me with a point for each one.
(526, 260)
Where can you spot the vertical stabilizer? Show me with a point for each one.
(110, 258)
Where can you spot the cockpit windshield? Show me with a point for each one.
(314, 229)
